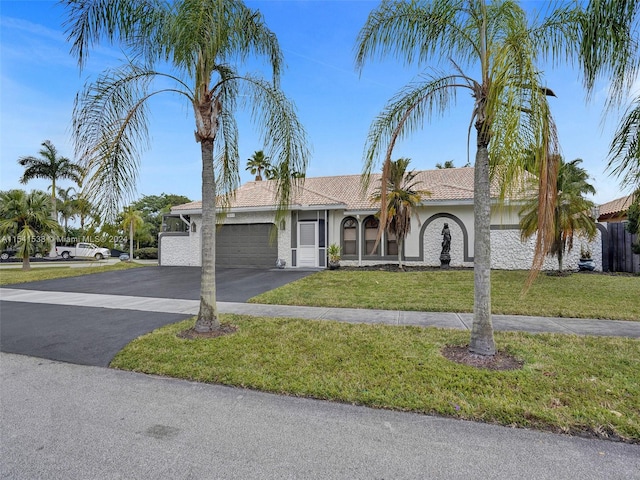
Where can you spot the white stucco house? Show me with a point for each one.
(328, 210)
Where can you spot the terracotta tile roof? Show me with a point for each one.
(615, 207)
(345, 191)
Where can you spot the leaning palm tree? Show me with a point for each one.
(257, 164)
(491, 49)
(25, 221)
(403, 198)
(50, 166)
(571, 213)
(196, 40)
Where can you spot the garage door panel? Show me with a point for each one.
(246, 245)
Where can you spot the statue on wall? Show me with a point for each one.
(445, 256)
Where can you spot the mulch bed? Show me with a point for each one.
(499, 361)
(392, 267)
(225, 329)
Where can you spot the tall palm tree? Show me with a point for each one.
(403, 198)
(51, 167)
(571, 214)
(491, 49)
(131, 221)
(197, 40)
(257, 164)
(25, 221)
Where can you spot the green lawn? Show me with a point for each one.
(16, 276)
(581, 295)
(571, 384)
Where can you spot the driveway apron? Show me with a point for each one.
(90, 335)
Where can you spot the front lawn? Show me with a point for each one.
(581, 295)
(579, 385)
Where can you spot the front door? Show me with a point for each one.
(308, 244)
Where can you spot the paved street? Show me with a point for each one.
(67, 422)
(77, 420)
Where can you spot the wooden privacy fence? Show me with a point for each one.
(617, 255)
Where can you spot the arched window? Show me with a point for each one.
(371, 225)
(349, 236)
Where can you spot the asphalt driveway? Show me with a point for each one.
(92, 336)
(232, 284)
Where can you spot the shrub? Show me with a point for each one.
(149, 253)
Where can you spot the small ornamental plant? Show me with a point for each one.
(334, 256)
(585, 252)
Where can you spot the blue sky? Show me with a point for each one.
(39, 80)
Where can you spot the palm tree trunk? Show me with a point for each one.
(208, 315)
(131, 241)
(560, 255)
(400, 242)
(482, 341)
(25, 263)
(54, 210)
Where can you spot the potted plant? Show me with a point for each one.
(586, 262)
(334, 256)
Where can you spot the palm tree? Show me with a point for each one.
(67, 208)
(196, 39)
(85, 210)
(25, 221)
(52, 167)
(131, 221)
(447, 164)
(403, 198)
(500, 45)
(571, 214)
(257, 164)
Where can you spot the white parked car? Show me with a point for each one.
(83, 250)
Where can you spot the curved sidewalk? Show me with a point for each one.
(576, 326)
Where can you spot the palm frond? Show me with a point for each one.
(624, 152)
(415, 31)
(110, 132)
(609, 45)
(284, 137)
(136, 23)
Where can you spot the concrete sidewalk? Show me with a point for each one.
(575, 326)
(65, 421)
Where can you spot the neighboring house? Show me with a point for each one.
(617, 242)
(615, 210)
(327, 210)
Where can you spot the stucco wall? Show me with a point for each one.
(422, 246)
(188, 251)
(175, 250)
(509, 253)
(432, 243)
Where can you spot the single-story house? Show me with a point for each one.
(335, 210)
